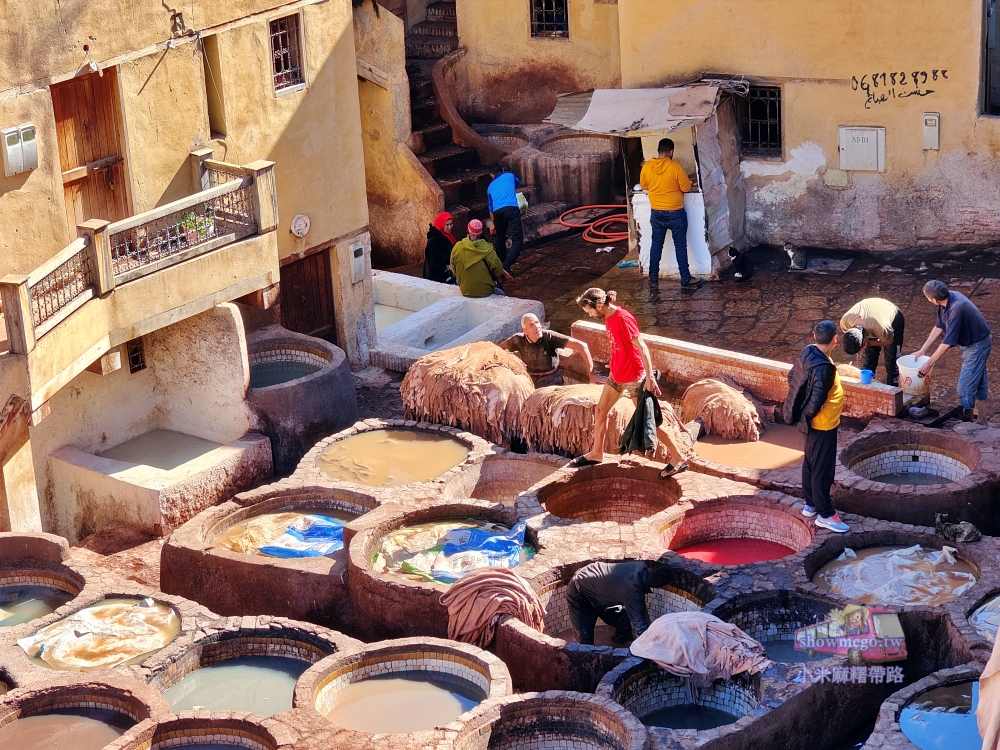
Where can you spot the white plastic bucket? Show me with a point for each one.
(909, 375)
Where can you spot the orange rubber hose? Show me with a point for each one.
(597, 231)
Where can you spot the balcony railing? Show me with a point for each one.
(235, 202)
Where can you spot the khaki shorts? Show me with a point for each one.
(632, 388)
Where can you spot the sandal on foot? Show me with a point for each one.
(669, 470)
(580, 461)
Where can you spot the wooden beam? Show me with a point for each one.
(368, 72)
(263, 299)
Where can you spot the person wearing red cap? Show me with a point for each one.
(475, 264)
(437, 253)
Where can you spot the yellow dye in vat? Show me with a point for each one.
(389, 458)
(108, 634)
(780, 446)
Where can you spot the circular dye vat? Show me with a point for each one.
(986, 619)
(779, 446)
(445, 550)
(389, 458)
(910, 464)
(65, 729)
(943, 718)
(784, 651)
(735, 551)
(108, 634)
(404, 702)
(266, 374)
(897, 575)
(293, 533)
(19, 604)
(261, 685)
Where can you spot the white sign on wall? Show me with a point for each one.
(862, 149)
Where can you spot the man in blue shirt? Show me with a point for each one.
(965, 327)
(501, 196)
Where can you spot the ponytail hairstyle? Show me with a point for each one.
(594, 297)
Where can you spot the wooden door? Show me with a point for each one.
(307, 297)
(91, 151)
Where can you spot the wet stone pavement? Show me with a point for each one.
(772, 315)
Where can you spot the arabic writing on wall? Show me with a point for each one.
(880, 88)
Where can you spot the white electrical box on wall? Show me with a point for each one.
(862, 149)
(357, 261)
(932, 131)
(20, 149)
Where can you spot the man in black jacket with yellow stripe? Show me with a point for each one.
(815, 399)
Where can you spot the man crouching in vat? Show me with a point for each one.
(539, 350)
(613, 592)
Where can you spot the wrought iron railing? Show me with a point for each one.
(59, 287)
(226, 211)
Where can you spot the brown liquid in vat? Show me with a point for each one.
(63, 731)
(878, 582)
(389, 458)
(780, 446)
(395, 705)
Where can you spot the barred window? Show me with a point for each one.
(136, 356)
(285, 51)
(759, 116)
(550, 19)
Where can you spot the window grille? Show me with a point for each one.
(285, 46)
(550, 18)
(136, 356)
(759, 115)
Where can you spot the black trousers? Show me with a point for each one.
(507, 221)
(818, 468)
(891, 352)
(584, 614)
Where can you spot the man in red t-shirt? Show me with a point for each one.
(631, 366)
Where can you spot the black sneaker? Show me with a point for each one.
(692, 285)
(967, 415)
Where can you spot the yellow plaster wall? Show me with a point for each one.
(313, 135)
(819, 55)
(403, 198)
(515, 78)
(32, 214)
(165, 115)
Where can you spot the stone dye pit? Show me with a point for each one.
(773, 617)
(199, 562)
(501, 478)
(778, 447)
(110, 633)
(985, 619)
(260, 685)
(389, 458)
(218, 732)
(897, 575)
(609, 492)
(909, 475)
(293, 533)
(405, 686)
(301, 389)
(736, 531)
(943, 718)
(660, 700)
(551, 721)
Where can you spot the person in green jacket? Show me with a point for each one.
(475, 264)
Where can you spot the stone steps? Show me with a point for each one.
(436, 134)
(442, 161)
(465, 185)
(426, 47)
(436, 28)
(441, 11)
(424, 112)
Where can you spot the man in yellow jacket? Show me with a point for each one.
(666, 182)
(475, 264)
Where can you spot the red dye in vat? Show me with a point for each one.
(735, 551)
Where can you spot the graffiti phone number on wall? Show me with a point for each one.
(881, 87)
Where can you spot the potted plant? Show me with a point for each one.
(196, 228)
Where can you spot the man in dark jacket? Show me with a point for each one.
(815, 399)
(613, 592)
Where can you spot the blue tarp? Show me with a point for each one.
(309, 536)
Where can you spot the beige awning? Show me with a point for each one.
(636, 112)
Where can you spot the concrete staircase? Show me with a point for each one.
(457, 169)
